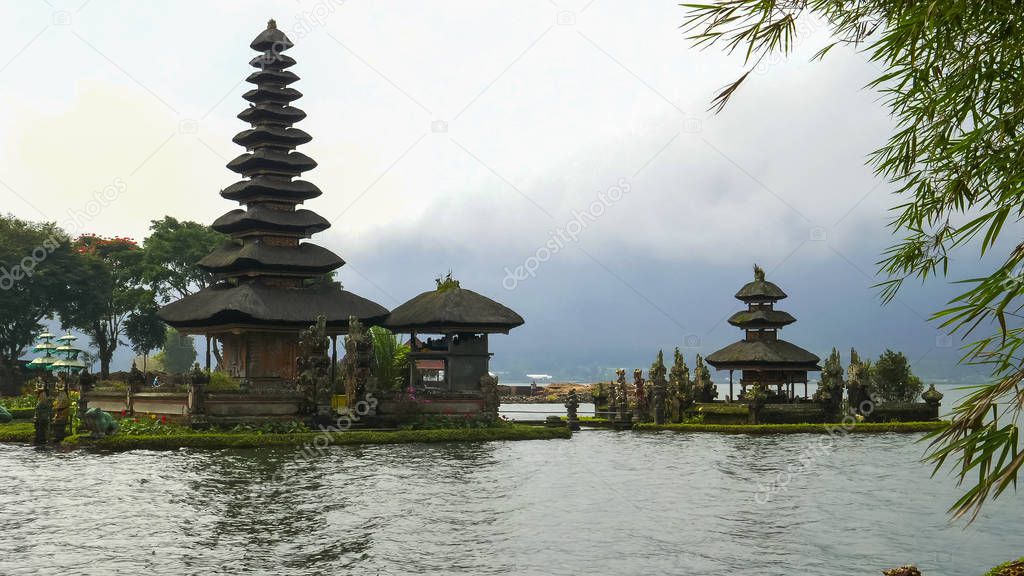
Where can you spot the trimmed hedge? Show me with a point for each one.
(17, 432)
(244, 440)
(861, 427)
(23, 413)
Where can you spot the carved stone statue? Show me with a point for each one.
(99, 423)
(572, 404)
(680, 393)
(933, 398)
(491, 397)
(621, 397)
(197, 379)
(600, 396)
(313, 365)
(858, 387)
(641, 395)
(43, 414)
(358, 362)
(62, 410)
(659, 390)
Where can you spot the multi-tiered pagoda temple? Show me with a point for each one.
(271, 284)
(761, 355)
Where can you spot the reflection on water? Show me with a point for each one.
(602, 503)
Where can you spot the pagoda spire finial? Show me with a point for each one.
(758, 273)
(271, 24)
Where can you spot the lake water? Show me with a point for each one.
(602, 503)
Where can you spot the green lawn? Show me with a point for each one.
(253, 440)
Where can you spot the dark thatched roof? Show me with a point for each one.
(271, 39)
(761, 319)
(267, 188)
(269, 161)
(261, 218)
(305, 258)
(257, 303)
(453, 309)
(769, 354)
(760, 290)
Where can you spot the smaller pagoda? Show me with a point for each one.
(762, 356)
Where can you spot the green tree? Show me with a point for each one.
(179, 352)
(40, 277)
(892, 379)
(171, 253)
(115, 292)
(145, 332)
(830, 389)
(952, 79)
(390, 359)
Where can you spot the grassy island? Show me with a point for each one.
(22, 432)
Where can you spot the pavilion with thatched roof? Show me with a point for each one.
(762, 356)
(463, 319)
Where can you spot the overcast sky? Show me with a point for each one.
(556, 155)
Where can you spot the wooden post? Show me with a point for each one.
(207, 353)
(334, 364)
(731, 397)
(448, 361)
(805, 389)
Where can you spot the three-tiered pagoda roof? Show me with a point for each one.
(761, 350)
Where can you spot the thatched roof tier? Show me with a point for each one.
(261, 188)
(760, 290)
(256, 303)
(272, 61)
(765, 318)
(271, 40)
(281, 77)
(271, 114)
(763, 354)
(264, 135)
(272, 93)
(450, 310)
(260, 218)
(270, 161)
(249, 257)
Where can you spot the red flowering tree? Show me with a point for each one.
(114, 291)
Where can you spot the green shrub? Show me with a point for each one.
(23, 413)
(17, 432)
(892, 379)
(452, 421)
(150, 425)
(223, 382)
(18, 402)
(274, 427)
